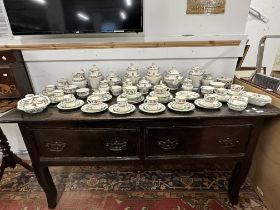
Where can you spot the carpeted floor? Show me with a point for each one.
(125, 188)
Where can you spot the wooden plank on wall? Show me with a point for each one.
(108, 45)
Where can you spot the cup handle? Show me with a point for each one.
(145, 101)
(168, 89)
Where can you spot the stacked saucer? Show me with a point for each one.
(132, 95)
(104, 95)
(70, 102)
(210, 101)
(222, 94)
(161, 91)
(180, 104)
(151, 105)
(122, 107)
(238, 103)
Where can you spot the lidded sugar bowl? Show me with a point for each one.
(95, 76)
(133, 74)
(144, 86)
(153, 74)
(79, 79)
(113, 79)
(173, 78)
(196, 75)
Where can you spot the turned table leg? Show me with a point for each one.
(9, 159)
(237, 179)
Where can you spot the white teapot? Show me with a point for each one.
(173, 78)
(95, 76)
(144, 86)
(79, 79)
(153, 74)
(113, 79)
(196, 75)
(133, 74)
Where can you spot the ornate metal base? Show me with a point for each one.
(9, 158)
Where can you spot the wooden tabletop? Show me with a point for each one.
(54, 114)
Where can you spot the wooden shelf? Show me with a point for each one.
(108, 45)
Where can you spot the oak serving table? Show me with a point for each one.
(57, 138)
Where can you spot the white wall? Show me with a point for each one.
(256, 29)
(168, 17)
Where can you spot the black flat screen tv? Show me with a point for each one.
(33, 17)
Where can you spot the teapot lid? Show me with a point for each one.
(196, 70)
(95, 68)
(173, 71)
(132, 67)
(81, 73)
(112, 75)
(153, 67)
(144, 81)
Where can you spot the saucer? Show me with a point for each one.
(199, 102)
(133, 100)
(86, 109)
(132, 97)
(161, 98)
(78, 104)
(190, 95)
(54, 101)
(113, 110)
(143, 109)
(223, 98)
(104, 98)
(186, 109)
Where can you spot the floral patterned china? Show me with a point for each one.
(122, 107)
(189, 95)
(33, 104)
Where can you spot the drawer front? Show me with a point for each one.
(7, 57)
(197, 140)
(86, 143)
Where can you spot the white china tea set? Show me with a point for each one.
(153, 91)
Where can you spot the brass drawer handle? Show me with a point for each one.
(116, 145)
(168, 144)
(56, 146)
(229, 142)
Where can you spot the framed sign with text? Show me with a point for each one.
(206, 6)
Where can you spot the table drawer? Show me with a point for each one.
(197, 140)
(87, 142)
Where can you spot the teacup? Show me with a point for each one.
(49, 88)
(217, 84)
(122, 104)
(70, 89)
(30, 96)
(69, 100)
(58, 95)
(116, 90)
(207, 89)
(240, 101)
(28, 103)
(82, 92)
(61, 83)
(221, 91)
(100, 93)
(236, 88)
(179, 102)
(161, 89)
(151, 103)
(187, 87)
(209, 99)
(96, 103)
(38, 100)
(130, 90)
